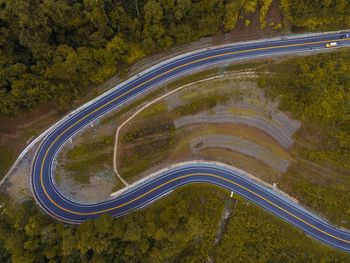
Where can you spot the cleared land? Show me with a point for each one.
(151, 141)
(205, 98)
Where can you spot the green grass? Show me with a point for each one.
(149, 128)
(256, 65)
(142, 157)
(98, 144)
(201, 103)
(81, 171)
(152, 110)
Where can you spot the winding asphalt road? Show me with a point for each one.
(61, 208)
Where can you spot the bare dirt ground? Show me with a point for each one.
(252, 104)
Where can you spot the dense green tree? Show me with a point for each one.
(179, 228)
(318, 14)
(50, 50)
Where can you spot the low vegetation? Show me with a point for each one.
(150, 129)
(90, 147)
(200, 104)
(87, 159)
(146, 144)
(151, 139)
(152, 135)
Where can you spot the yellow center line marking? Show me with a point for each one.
(183, 65)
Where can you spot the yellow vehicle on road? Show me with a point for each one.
(332, 44)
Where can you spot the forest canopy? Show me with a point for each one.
(50, 50)
(178, 228)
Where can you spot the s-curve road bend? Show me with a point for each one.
(61, 208)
